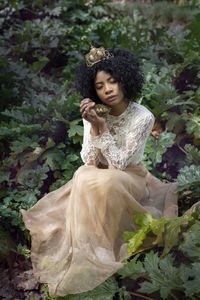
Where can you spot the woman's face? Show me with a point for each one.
(108, 89)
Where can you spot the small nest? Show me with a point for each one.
(101, 109)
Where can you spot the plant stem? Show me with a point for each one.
(141, 296)
(173, 296)
(186, 153)
(192, 297)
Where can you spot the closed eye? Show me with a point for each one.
(110, 80)
(113, 80)
(99, 87)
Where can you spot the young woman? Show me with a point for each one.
(77, 230)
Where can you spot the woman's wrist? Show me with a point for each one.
(103, 128)
(94, 131)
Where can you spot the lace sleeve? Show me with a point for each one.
(134, 140)
(89, 153)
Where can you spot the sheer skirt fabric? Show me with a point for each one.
(77, 230)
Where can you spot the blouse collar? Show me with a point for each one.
(128, 109)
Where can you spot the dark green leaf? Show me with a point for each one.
(105, 291)
(194, 152)
(132, 269)
(173, 228)
(192, 286)
(191, 244)
(188, 177)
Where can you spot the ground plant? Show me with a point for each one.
(41, 131)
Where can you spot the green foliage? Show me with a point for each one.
(190, 245)
(105, 291)
(193, 152)
(42, 41)
(135, 239)
(23, 250)
(189, 178)
(44, 289)
(172, 273)
(166, 11)
(6, 243)
(36, 152)
(166, 231)
(193, 31)
(108, 290)
(164, 277)
(154, 150)
(193, 125)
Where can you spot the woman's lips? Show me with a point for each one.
(111, 98)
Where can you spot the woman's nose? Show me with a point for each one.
(108, 88)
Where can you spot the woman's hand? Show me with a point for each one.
(98, 123)
(85, 106)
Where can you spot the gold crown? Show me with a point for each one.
(97, 54)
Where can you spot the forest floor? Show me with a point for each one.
(18, 283)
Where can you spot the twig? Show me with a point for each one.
(188, 154)
(192, 297)
(141, 296)
(186, 194)
(173, 296)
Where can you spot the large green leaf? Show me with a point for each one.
(154, 150)
(54, 158)
(193, 152)
(189, 178)
(190, 245)
(75, 128)
(105, 291)
(192, 285)
(166, 231)
(193, 126)
(32, 175)
(24, 142)
(174, 122)
(12, 129)
(158, 228)
(132, 269)
(163, 276)
(135, 239)
(37, 66)
(172, 231)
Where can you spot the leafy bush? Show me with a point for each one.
(38, 151)
(40, 129)
(176, 271)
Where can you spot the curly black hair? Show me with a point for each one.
(123, 66)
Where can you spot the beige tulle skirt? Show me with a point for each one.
(77, 230)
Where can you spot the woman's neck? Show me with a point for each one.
(117, 110)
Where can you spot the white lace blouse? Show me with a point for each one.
(123, 144)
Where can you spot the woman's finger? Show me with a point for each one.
(93, 113)
(83, 106)
(87, 106)
(85, 101)
(88, 116)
